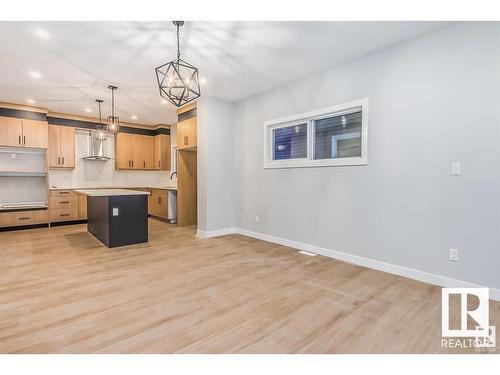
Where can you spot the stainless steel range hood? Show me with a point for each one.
(96, 149)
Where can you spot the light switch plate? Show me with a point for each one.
(115, 211)
(453, 256)
(455, 168)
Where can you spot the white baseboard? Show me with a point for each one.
(442, 281)
(410, 273)
(202, 234)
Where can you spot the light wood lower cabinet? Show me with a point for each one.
(63, 202)
(82, 207)
(19, 218)
(63, 215)
(63, 205)
(158, 203)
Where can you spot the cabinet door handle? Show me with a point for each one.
(159, 164)
(64, 192)
(58, 160)
(63, 160)
(64, 202)
(19, 139)
(144, 164)
(24, 218)
(185, 140)
(63, 214)
(159, 200)
(24, 139)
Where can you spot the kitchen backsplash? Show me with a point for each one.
(102, 173)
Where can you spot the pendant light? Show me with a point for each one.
(113, 123)
(100, 133)
(178, 80)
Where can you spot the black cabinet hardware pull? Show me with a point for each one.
(24, 218)
(64, 192)
(24, 139)
(64, 202)
(63, 160)
(63, 214)
(19, 139)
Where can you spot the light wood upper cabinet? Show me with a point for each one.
(23, 133)
(162, 152)
(147, 152)
(123, 151)
(61, 146)
(11, 131)
(68, 147)
(187, 133)
(35, 133)
(129, 151)
(134, 151)
(54, 146)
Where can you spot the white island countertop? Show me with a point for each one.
(110, 192)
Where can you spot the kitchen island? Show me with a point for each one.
(117, 217)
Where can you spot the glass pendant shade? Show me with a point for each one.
(178, 80)
(100, 133)
(113, 122)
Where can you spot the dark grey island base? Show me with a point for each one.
(117, 217)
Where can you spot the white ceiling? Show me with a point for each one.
(237, 59)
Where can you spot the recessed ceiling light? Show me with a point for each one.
(88, 110)
(31, 101)
(42, 34)
(134, 117)
(34, 74)
(163, 101)
(203, 81)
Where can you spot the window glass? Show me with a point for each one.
(338, 136)
(290, 142)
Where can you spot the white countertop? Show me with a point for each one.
(110, 192)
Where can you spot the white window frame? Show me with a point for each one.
(309, 118)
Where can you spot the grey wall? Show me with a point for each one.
(433, 100)
(215, 165)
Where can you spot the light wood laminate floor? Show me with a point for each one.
(61, 291)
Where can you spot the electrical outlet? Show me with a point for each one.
(257, 220)
(456, 168)
(115, 211)
(453, 255)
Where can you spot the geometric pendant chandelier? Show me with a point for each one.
(178, 80)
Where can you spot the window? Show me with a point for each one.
(331, 136)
